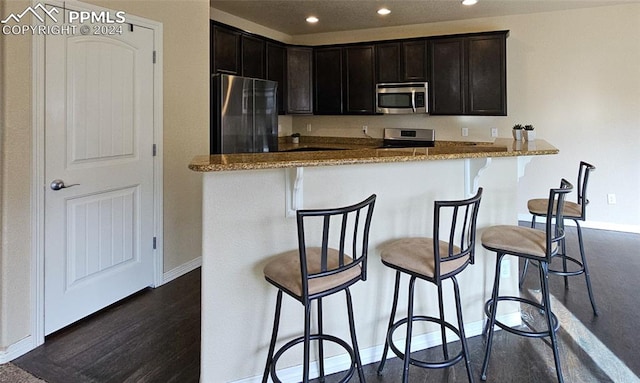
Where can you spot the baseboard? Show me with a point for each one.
(589, 224)
(181, 270)
(17, 349)
(373, 354)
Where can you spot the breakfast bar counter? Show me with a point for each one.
(249, 204)
(311, 154)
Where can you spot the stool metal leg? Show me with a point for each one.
(354, 341)
(586, 269)
(307, 342)
(320, 345)
(544, 282)
(526, 261)
(274, 335)
(563, 246)
(392, 317)
(443, 329)
(463, 339)
(492, 317)
(407, 347)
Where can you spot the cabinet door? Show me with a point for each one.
(225, 50)
(447, 76)
(414, 54)
(360, 79)
(388, 62)
(328, 81)
(487, 88)
(299, 99)
(253, 57)
(277, 70)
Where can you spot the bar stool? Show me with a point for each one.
(312, 273)
(433, 260)
(538, 246)
(576, 212)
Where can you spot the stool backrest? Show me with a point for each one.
(555, 217)
(345, 230)
(461, 234)
(583, 178)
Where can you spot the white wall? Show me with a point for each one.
(573, 74)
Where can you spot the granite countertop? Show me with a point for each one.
(345, 151)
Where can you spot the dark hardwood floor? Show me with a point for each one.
(154, 336)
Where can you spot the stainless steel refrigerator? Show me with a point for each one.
(244, 115)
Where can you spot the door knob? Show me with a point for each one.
(59, 184)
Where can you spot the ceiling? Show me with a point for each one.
(342, 15)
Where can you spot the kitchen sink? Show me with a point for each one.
(311, 149)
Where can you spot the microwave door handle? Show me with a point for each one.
(413, 100)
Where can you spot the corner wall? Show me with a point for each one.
(186, 129)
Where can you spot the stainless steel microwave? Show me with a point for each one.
(402, 98)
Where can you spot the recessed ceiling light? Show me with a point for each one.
(312, 19)
(469, 2)
(383, 11)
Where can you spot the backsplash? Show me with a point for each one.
(446, 127)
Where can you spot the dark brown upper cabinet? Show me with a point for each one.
(414, 60)
(388, 62)
(359, 65)
(468, 75)
(487, 71)
(299, 73)
(253, 57)
(225, 52)
(328, 81)
(401, 61)
(277, 71)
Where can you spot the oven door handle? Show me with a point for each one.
(413, 100)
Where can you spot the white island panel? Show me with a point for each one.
(245, 225)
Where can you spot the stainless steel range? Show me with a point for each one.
(402, 138)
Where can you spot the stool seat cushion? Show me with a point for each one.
(516, 240)
(284, 271)
(416, 256)
(539, 207)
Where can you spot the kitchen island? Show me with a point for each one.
(249, 201)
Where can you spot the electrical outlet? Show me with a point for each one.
(465, 132)
(611, 199)
(505, 268)
(308, 127)
(494, 132)
(365, 129)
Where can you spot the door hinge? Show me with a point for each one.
(155, 150)
(154, 243)
(154, 57)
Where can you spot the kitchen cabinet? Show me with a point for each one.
(328, 81)
(253, 56)
(414, 60)
(225, 52)
(299, 72)
(277, 71)
(388, 62)
(401, 61)
(468, 75)
(359, 66)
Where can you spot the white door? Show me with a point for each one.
(99, 233)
